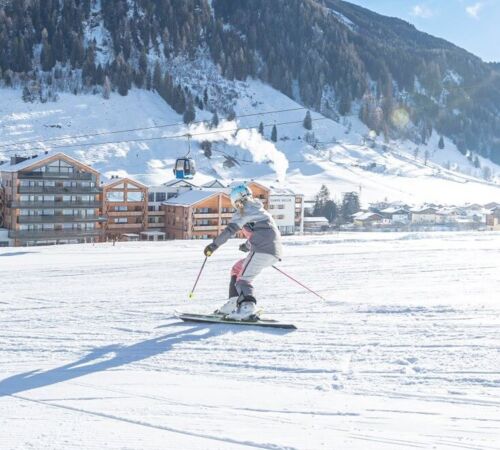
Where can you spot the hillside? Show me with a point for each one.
(329, 55)
(341, 160)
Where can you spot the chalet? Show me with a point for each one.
(125, 206)
(368, 219)
(493, 219)
(426, 215)
(315, 224)
(396, 215)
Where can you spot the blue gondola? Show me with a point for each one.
(185, 168)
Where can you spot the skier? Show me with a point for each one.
(263, 244)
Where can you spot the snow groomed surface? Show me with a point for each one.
(403, 355)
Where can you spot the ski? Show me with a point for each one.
(217, 318)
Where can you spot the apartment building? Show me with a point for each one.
(50, 199)
(157, 195)
(125, 207)
(197, 214)
(287, 210)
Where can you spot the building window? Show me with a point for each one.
(281, 206)
(115, 196)
(151, 197)
(121, 220)
(161, 196)
(135, 197)
(121, 208)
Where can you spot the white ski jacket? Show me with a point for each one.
(265, 237)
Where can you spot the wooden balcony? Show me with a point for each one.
(124, 226)
(55, 205)
(55, 175)
(206, 215)
(205, 228)
(52, 234)
(58, 190)
(57, 218)
(125, 213)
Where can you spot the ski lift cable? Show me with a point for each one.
(175, 136)
(155, 127)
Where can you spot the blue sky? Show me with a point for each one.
(471, 24)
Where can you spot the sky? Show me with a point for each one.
(471, 24)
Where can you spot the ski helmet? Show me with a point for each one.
(238, 193)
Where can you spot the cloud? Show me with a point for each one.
(422, 11)
(473, 10)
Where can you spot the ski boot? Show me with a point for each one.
(246, 309)
(228, 307)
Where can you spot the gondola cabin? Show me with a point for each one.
(185, 168)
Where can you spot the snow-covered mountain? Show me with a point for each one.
(165, 63)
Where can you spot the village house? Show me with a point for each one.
(369, 219)
(426, 215)
(315, 224)
(493, 219)
(125, 206)
(396, 216)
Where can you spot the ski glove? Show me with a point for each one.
(244, 247)
(209, 249)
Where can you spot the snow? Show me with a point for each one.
(343, 160)
(190, 197)
(404, 354)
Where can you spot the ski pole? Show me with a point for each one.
(300, 284)
(191, 294)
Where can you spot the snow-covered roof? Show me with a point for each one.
(39, 159)
(368, 215)
(175, 182)
(111, 181)
(281, 191)
(315, 219)
(394, 210)
(214, 184)
(426, 210)
(190, 197)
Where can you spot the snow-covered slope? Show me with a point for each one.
(343, 157)
(403, 355)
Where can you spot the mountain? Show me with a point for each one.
(387, 89)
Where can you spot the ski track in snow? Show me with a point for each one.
(404, 354)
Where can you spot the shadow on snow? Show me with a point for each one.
(116, 356)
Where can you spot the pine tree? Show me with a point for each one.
(322, 197)
(231, 115)
(441, 143)
(261, 128)
(106, 88)
(330, 211)
(215, 120)
(350, 206)
(190, 114)
(206, 146)
(157, 79)
(307, 121)
(477, 164)
(274, 134)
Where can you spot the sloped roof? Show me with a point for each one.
(214, 184)
(175, 182)
(368, 215)
(316, 219)
(190, 198)
(38, 159)
(114, 181)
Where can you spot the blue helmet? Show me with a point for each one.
(238, 193)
